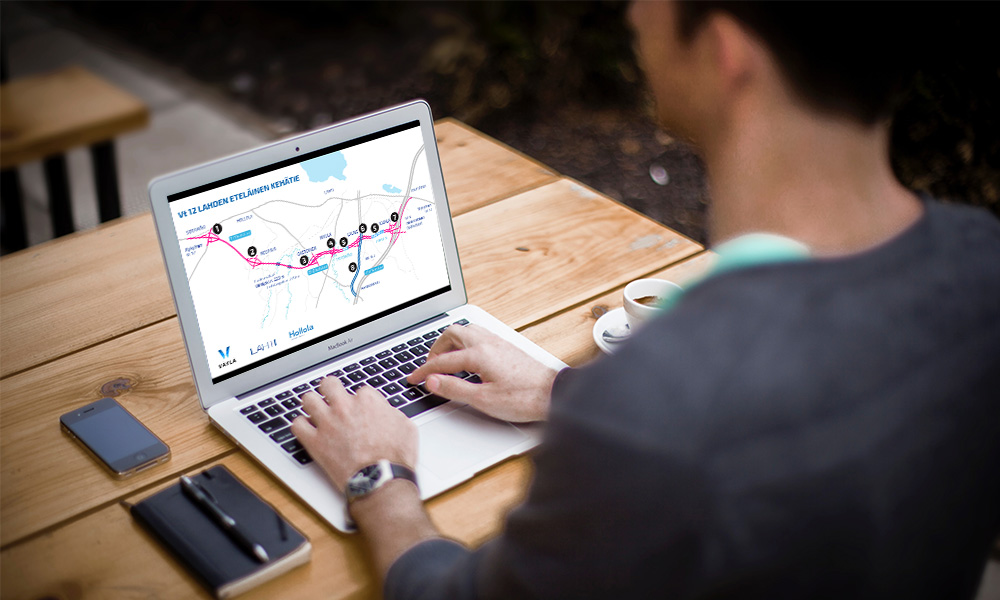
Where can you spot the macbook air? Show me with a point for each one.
(329, 254)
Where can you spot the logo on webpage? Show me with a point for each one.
(300, 331)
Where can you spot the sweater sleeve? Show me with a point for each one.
(600, 518)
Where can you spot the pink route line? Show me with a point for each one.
(395, 229)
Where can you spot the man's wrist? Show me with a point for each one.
(392, 520)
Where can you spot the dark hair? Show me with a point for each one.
(847, 58)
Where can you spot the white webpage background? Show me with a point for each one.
(269, 280)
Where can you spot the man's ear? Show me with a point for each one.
(735, 51)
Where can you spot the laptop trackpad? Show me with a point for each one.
(462, 439)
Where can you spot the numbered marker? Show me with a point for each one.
(352, 267)
(362, 228)
(394, 217)
(303, 260)
(343, 242)
(217, 228)
(330, 243)
(374, 227)
(252, 251)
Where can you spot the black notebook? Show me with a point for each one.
(206, 550)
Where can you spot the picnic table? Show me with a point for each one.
(91, 315)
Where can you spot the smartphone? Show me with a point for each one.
(113, 436)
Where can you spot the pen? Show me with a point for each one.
(204, 500)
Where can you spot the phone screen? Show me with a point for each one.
(114, 435)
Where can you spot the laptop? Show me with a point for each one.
(331, 253)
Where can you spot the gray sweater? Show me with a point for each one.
(821, 429)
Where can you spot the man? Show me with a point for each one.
(812, 428)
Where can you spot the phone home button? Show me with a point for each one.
(140, 456)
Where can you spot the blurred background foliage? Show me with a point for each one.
(557, 80)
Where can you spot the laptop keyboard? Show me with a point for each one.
(385, 371)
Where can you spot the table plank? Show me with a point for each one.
(79, 290)
(467, 153)
(107, 554)
(47, 478)
(528, 256)
(568, 335)
(34, 498)
(75, 291)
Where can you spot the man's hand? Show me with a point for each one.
(346, 433)
(515, 386)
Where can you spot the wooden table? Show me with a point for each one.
(93, 310)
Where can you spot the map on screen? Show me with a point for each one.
(282, 257)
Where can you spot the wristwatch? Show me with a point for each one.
(372, 477)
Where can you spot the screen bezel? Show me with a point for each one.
(319, 351)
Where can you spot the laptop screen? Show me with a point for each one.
(287, 255)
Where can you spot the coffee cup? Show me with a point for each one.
(645, 298)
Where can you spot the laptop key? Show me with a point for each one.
(420, 350)
(397, 401)
(303, 457)
(412, 393)
(301, 388)
(376, 381)
(388, 363)
(344, 382)
(420, 360)
(367, 361)
(274, 411)
(291, 403)
(352, 367)
(384, 354)
(415, 341)
(430, 335)
(407, 368)
(423, 405)
(336, 373)
(462, 322)
(315, 382)
(356, 376)
(290, 415)
(461, 374)
(473, 378)
(392, 374)
(248, 409)
(292, 446)
(257, 417)
(273, 425)
(267, 402)
(399, 348)
(373, 369)
(404, 357)
(282, 435)
(282, 395)
(354, 389)
(392, 388)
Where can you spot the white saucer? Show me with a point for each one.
(609, 320)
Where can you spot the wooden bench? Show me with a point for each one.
(43, 117)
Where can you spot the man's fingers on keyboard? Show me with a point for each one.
(453, 388)
(315, 406)
(449, 362)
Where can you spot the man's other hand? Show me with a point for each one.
(346, 433)
(515, 387)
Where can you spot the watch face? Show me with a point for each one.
(364, 480)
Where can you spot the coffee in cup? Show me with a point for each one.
(645, 298)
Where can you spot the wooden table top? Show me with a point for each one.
(93, 310)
